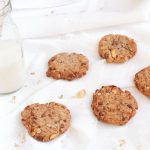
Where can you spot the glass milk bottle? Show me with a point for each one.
(11, 56)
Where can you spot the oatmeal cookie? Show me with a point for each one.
(117, 48)
(45, 122)
(67, 66)
(112, 105)
(142, 81)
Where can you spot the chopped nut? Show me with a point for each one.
(33, 133)
(80, 94)
(61, 97)
(113, 53)
(114, 91)
(53, 136)
(58, 76)
(38, 130)
(48, 125)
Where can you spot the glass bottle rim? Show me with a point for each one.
(6, 8)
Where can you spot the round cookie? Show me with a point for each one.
(112, 105)
(67, 66)
(45, 122)
(142, 81)
(117, 48)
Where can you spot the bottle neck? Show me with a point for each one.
(5, 8)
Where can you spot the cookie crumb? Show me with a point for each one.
(14, 100)
(139, 147)
(122, 143)
(80, 94)
(113, 53)
(32, 73)
(16, 145)
(39, 81)
(114, 148)
(22, 138)
(61, 97)
(52, 12)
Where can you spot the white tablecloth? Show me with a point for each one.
(78, 16)
(85, 133)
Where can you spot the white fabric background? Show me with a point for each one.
(78, 16)
(85, 133)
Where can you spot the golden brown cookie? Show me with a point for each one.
(45, 122)
(112, 105)
(117, 48)
(142, 81)
(67, 66)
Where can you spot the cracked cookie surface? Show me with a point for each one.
(116, 48)
(45, 122)
(142, 81)
(67, 66)
(112, 105)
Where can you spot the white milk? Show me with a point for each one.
(11, 66)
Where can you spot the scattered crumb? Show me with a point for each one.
(32, 73)
(25, 85)
(82, 11)
(52, 11)
(22, 138)
(80, 94)
(139, 147)
(61, 97)
(39, 81)
(13, 100)
(16, 145)
(114, 148)
(122, 143)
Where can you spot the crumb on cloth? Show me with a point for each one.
(16, 145)
(13, 100)
(32, 73)
(139, 147)
(122, 143)
(39, 81)
(21, 140)
(61, 97)
(80, 94)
